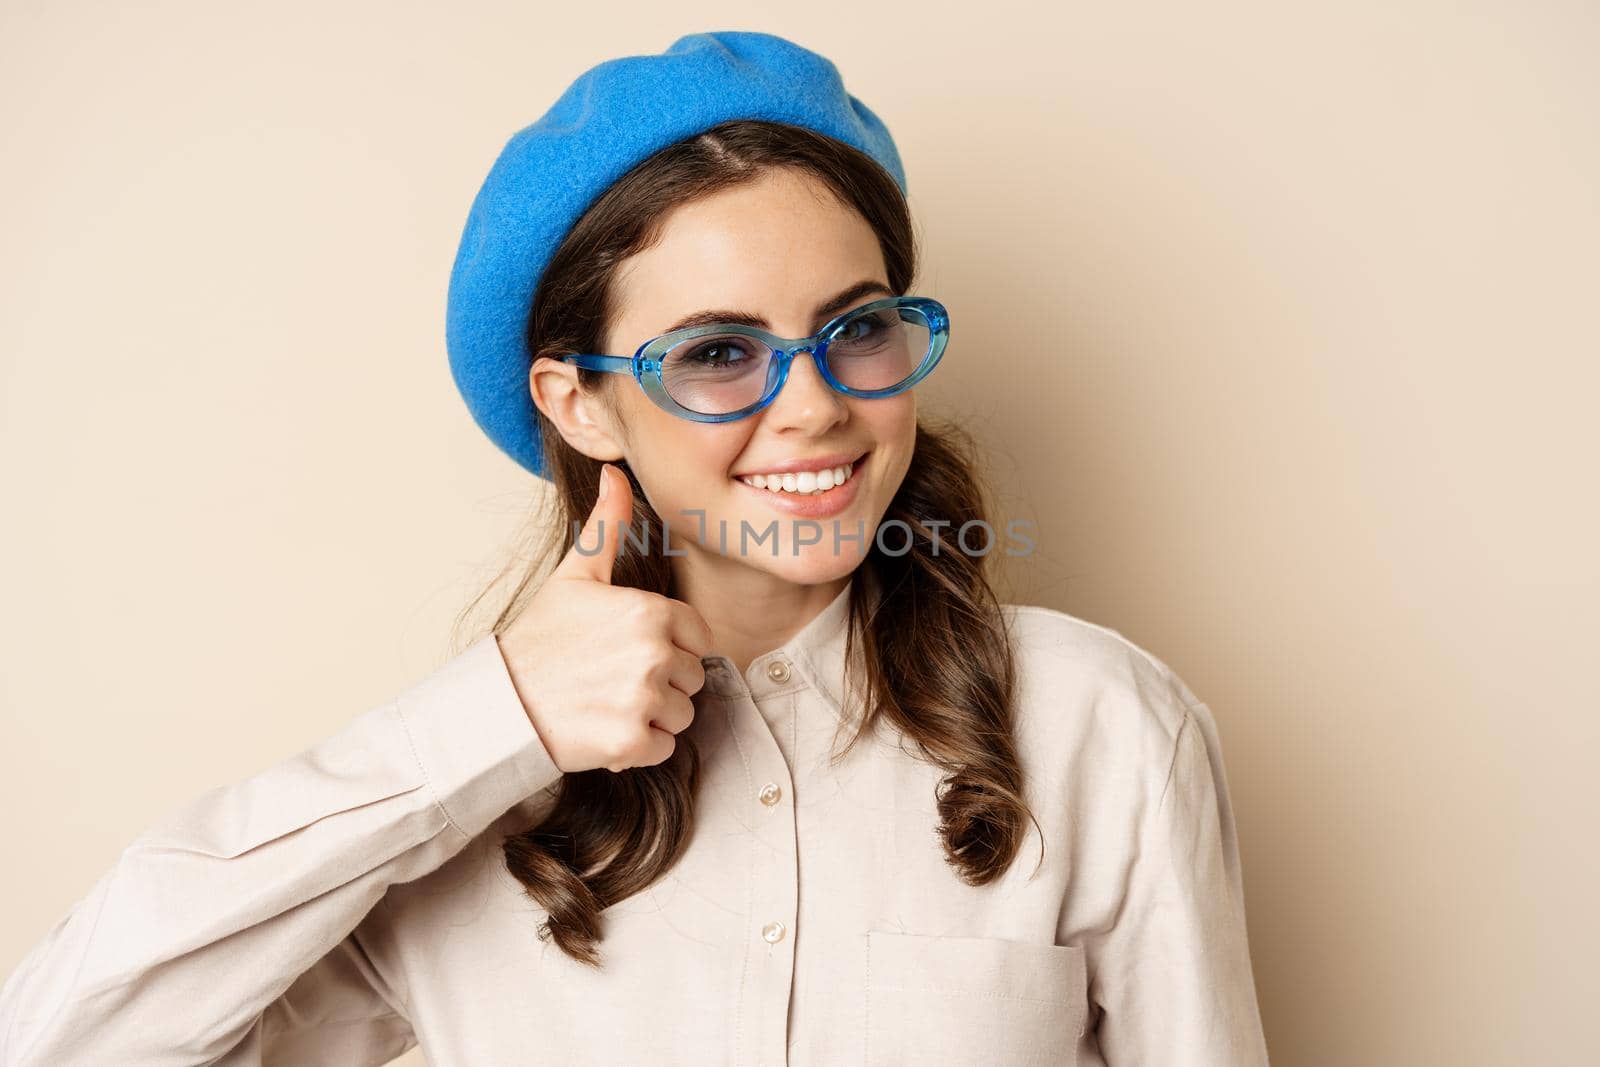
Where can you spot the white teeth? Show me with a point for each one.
(803, 482)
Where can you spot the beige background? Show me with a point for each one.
(1279, 320)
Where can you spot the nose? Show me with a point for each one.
(806, 401)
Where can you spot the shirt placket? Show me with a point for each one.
(756, 705)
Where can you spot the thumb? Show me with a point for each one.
(594, 553)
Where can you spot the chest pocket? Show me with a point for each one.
(932, 1000)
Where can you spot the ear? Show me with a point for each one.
(582, 418)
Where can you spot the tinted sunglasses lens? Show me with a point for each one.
(716, 374)
(879, 349)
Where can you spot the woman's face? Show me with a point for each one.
(783, 249)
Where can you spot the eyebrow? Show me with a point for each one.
(824, 311)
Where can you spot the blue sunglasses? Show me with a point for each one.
(725, 371)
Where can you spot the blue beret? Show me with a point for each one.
(613, 117)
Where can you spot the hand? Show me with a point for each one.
(605, 672)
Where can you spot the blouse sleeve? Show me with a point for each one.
(228, 932)
(1175, 985)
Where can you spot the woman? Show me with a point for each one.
(762, 735)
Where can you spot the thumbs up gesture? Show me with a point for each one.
(605, 672)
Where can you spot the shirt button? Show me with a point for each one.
(778, 671)
(772, 933)
(770, 793)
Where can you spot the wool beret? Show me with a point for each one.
(614, 116)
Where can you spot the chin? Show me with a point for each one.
(814, 565)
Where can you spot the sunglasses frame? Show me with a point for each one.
(645, 364)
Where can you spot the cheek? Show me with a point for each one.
(893, 422)
(900, 432)
(681, 463)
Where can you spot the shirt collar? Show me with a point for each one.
(813, 658)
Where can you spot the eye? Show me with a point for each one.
(719, 354)
(863, 332)
(716, 354)
(874, 322)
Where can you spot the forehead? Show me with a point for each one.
(777, 247)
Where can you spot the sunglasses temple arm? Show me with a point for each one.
(614, 364)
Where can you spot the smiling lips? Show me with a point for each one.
(801, 482)
(823, 491)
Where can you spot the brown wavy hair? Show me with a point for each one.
(926, 639)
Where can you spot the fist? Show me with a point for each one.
(605, 673)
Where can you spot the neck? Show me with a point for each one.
(750, 612)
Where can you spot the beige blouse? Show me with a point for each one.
(351, 903)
